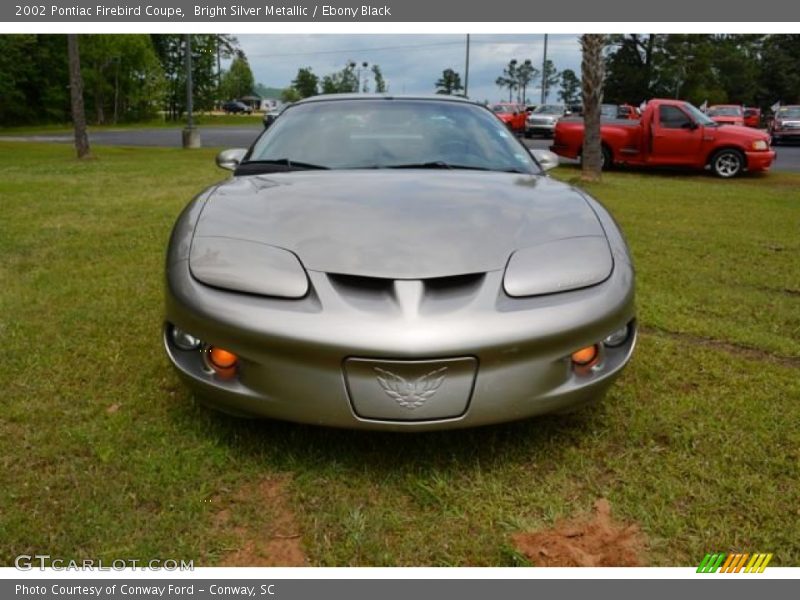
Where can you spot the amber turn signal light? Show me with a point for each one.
(585, 356)
(222, 361)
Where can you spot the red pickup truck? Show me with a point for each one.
(671, 133)
(513, 115)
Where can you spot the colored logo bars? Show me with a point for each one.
(734, 563)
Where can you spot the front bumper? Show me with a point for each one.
(547, 127)
(761, 160)
(785, 134)
(294, 353)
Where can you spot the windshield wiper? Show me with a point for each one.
(433, 164)
(440, 164)
(289, 164)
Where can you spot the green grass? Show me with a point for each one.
(201, 120)
(104, 454)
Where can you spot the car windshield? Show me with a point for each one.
(373, 133)
(789, 112)
(698, 115)
(549, 109)
(503, 108)
(725, 111)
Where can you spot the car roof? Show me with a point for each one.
(428, 97)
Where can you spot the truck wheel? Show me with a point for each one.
(608, 161)
(727, 163)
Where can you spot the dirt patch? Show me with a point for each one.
(271, 537)
(594, 540)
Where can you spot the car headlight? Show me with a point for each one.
(760, 145)
(558, 266)
(245, 266)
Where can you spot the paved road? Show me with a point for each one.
(234, 137)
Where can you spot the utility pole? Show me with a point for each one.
(544, 72)
(466, 72)
(219, 74)
(191, 137)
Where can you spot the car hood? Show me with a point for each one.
(739, 132)
(410, 224)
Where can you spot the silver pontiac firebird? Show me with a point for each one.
(398, 263)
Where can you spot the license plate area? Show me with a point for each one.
(410, 390)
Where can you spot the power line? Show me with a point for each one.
(356, 50)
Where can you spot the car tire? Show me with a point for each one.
(728, 163)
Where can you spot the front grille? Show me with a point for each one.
(438, 294)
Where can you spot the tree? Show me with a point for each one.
(592, 73)
(305, 82)
(380, 82)
(33, 86)
(289, 95)
(526, 75)
(341, 82)
(549, 77)
(122, 76)
(449, 83)
(779, 76)
(238, 80)
(170, 49)
(631, 67)
(570, 87)
(509, 79)
(76, 96)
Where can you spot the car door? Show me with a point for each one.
(677, 139)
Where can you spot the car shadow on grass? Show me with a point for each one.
(286, 445)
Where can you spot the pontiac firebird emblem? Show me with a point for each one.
(411, 394)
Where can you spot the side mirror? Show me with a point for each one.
(230, 159)
(546, 159)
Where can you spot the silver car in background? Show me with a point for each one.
(543, 119)
(396, 263)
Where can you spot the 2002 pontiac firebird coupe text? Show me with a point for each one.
(396, 263)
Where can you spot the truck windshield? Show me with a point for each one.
(549, 109)
(725, 111)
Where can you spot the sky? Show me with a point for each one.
(410, 63)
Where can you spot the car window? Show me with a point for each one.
(672, 117)
(379, 133)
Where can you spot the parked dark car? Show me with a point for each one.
(235, 107)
